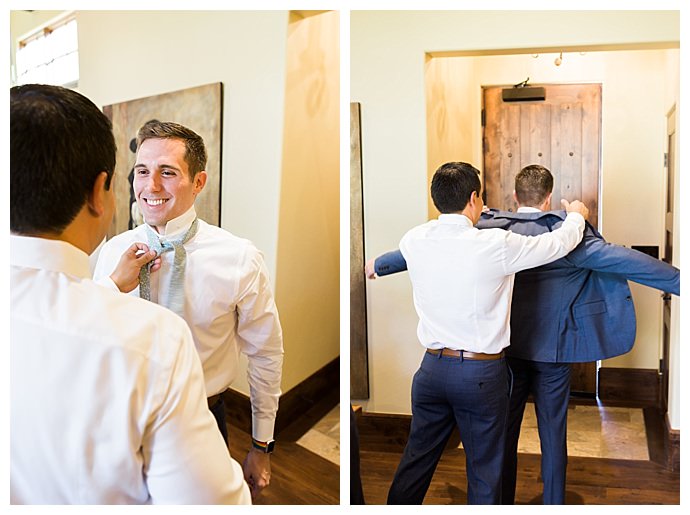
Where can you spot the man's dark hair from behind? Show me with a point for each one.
(59, 143)
(532, 185)
(195, 150)
(452, 186)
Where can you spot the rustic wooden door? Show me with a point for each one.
(562, 133)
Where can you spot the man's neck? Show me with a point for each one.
(82, 233)
(528, 209)
(177, 224)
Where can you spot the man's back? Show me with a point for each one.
(107, 396)
(582, 302)
(578, 308)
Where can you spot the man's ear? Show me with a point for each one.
(200, 181)
(515, 197)
(470, 201)
(96, 201)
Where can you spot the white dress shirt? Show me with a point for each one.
(462, 278)
(228, 305)
(107, 394)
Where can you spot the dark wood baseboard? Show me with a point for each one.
(299, 409)
(634, 385)
(672, 448)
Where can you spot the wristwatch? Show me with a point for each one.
(266, 447)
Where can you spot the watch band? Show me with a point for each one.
(265, 447)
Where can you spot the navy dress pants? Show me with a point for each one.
(218, 411)
(449, 391)
(549, 384)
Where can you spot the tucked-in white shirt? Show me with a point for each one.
(228, 304)
(462, 278)
(107, 394)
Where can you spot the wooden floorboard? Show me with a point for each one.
(298, 476)
(590, 480)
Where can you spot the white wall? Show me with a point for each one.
(129, 55)
(387, 77)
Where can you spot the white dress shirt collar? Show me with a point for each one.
(179, 225)
(528, 209)
(455, 219)
(52, 255)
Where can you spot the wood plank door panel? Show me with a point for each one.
(562, 133)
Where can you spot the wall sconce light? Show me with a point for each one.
(559, 60)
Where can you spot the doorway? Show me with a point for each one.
(669, 162)
(562, 132)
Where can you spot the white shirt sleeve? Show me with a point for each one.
(523, 252)
(104, 267)
(261, 339)
(185, 458)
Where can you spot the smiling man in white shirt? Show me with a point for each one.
(215, 280)
(107, 395)
(462, 281)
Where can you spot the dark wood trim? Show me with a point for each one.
(359, 355)
(663, 442)
(672, 447)
(634, 385)
(299, 409)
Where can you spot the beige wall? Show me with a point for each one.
(124, 55)
(672, 98)
(388, 52)
(308, 237)
(634, 88)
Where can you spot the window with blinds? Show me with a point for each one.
(50, 56)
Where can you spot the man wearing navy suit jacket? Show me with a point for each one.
(576, 309)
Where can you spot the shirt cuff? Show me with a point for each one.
(575, 214)
(262, 429)
(108, 283)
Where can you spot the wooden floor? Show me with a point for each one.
(298, 476)
(589, 480)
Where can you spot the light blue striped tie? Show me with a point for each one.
(175, 300)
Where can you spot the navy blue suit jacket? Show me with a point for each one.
(578, 308)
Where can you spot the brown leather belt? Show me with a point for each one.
(213, 399)
(464, 354)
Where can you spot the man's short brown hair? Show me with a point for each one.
(532, 185)
(195, 150)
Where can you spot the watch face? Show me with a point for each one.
(270, 445)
